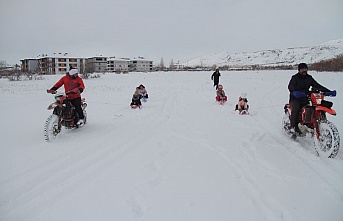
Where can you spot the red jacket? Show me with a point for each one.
(70, 84)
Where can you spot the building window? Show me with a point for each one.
(61, 60)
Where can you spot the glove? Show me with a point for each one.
(299, 94)
(330, 93)
(51, 91)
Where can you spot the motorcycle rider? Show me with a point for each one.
(300, 82)
(73, 87)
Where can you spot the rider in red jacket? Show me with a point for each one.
(73, 87)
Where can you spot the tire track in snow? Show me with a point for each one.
(45, 184)
(262, 200)
(299, 154)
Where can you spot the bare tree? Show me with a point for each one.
(3, 69)
(172, 65)
(161, 66)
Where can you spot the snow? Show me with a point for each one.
(275, 57)
(181, 157)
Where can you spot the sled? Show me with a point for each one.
(244, 112)
(221, 102)
(135, 106)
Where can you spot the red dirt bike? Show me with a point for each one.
(313, 123)
(63, 114)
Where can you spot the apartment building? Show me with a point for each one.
(96, 64)
(55, 64)
(29, 65)
(140, 64)
(59, 63)
(118, 64)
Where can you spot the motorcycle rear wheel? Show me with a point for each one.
(329, 141)
(51, 128)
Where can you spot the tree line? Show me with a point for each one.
(333, 64)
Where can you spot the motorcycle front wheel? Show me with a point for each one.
(51, 128)
(286, 124)
(328, 143)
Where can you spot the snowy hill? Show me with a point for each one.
(289, 56)
(181, 157)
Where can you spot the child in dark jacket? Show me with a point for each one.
(136, 99)
(242, 104)
(143, 92)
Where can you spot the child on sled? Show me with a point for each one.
(242, 106)
(221, 97)
(143, 92)
(136, 100)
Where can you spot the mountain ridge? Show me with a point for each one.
(271, 57)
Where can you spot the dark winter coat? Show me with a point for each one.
(136, 100)
(215, 76)
(302, 83)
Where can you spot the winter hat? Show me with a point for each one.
(301, 66)
(243, 95)
(73, 71)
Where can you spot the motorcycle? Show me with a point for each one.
(63, 114)
(314, 123)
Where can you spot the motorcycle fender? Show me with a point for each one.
(52, 106)
(327, 110)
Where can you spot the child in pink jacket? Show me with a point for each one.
(221, 97)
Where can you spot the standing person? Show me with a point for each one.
(215, 77)
(221, 97)
(300, 82)
(73, 87)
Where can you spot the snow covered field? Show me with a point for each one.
(181, 157)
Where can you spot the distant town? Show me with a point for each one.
(59, 63)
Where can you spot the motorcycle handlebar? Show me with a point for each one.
(301, 94)
(330, 93)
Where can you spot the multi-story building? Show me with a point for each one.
(29, 65)
(55, 64)
(118, 64)
(140, 64)
(61, 63)
(96, 64)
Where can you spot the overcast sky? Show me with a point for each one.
(174, 29)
